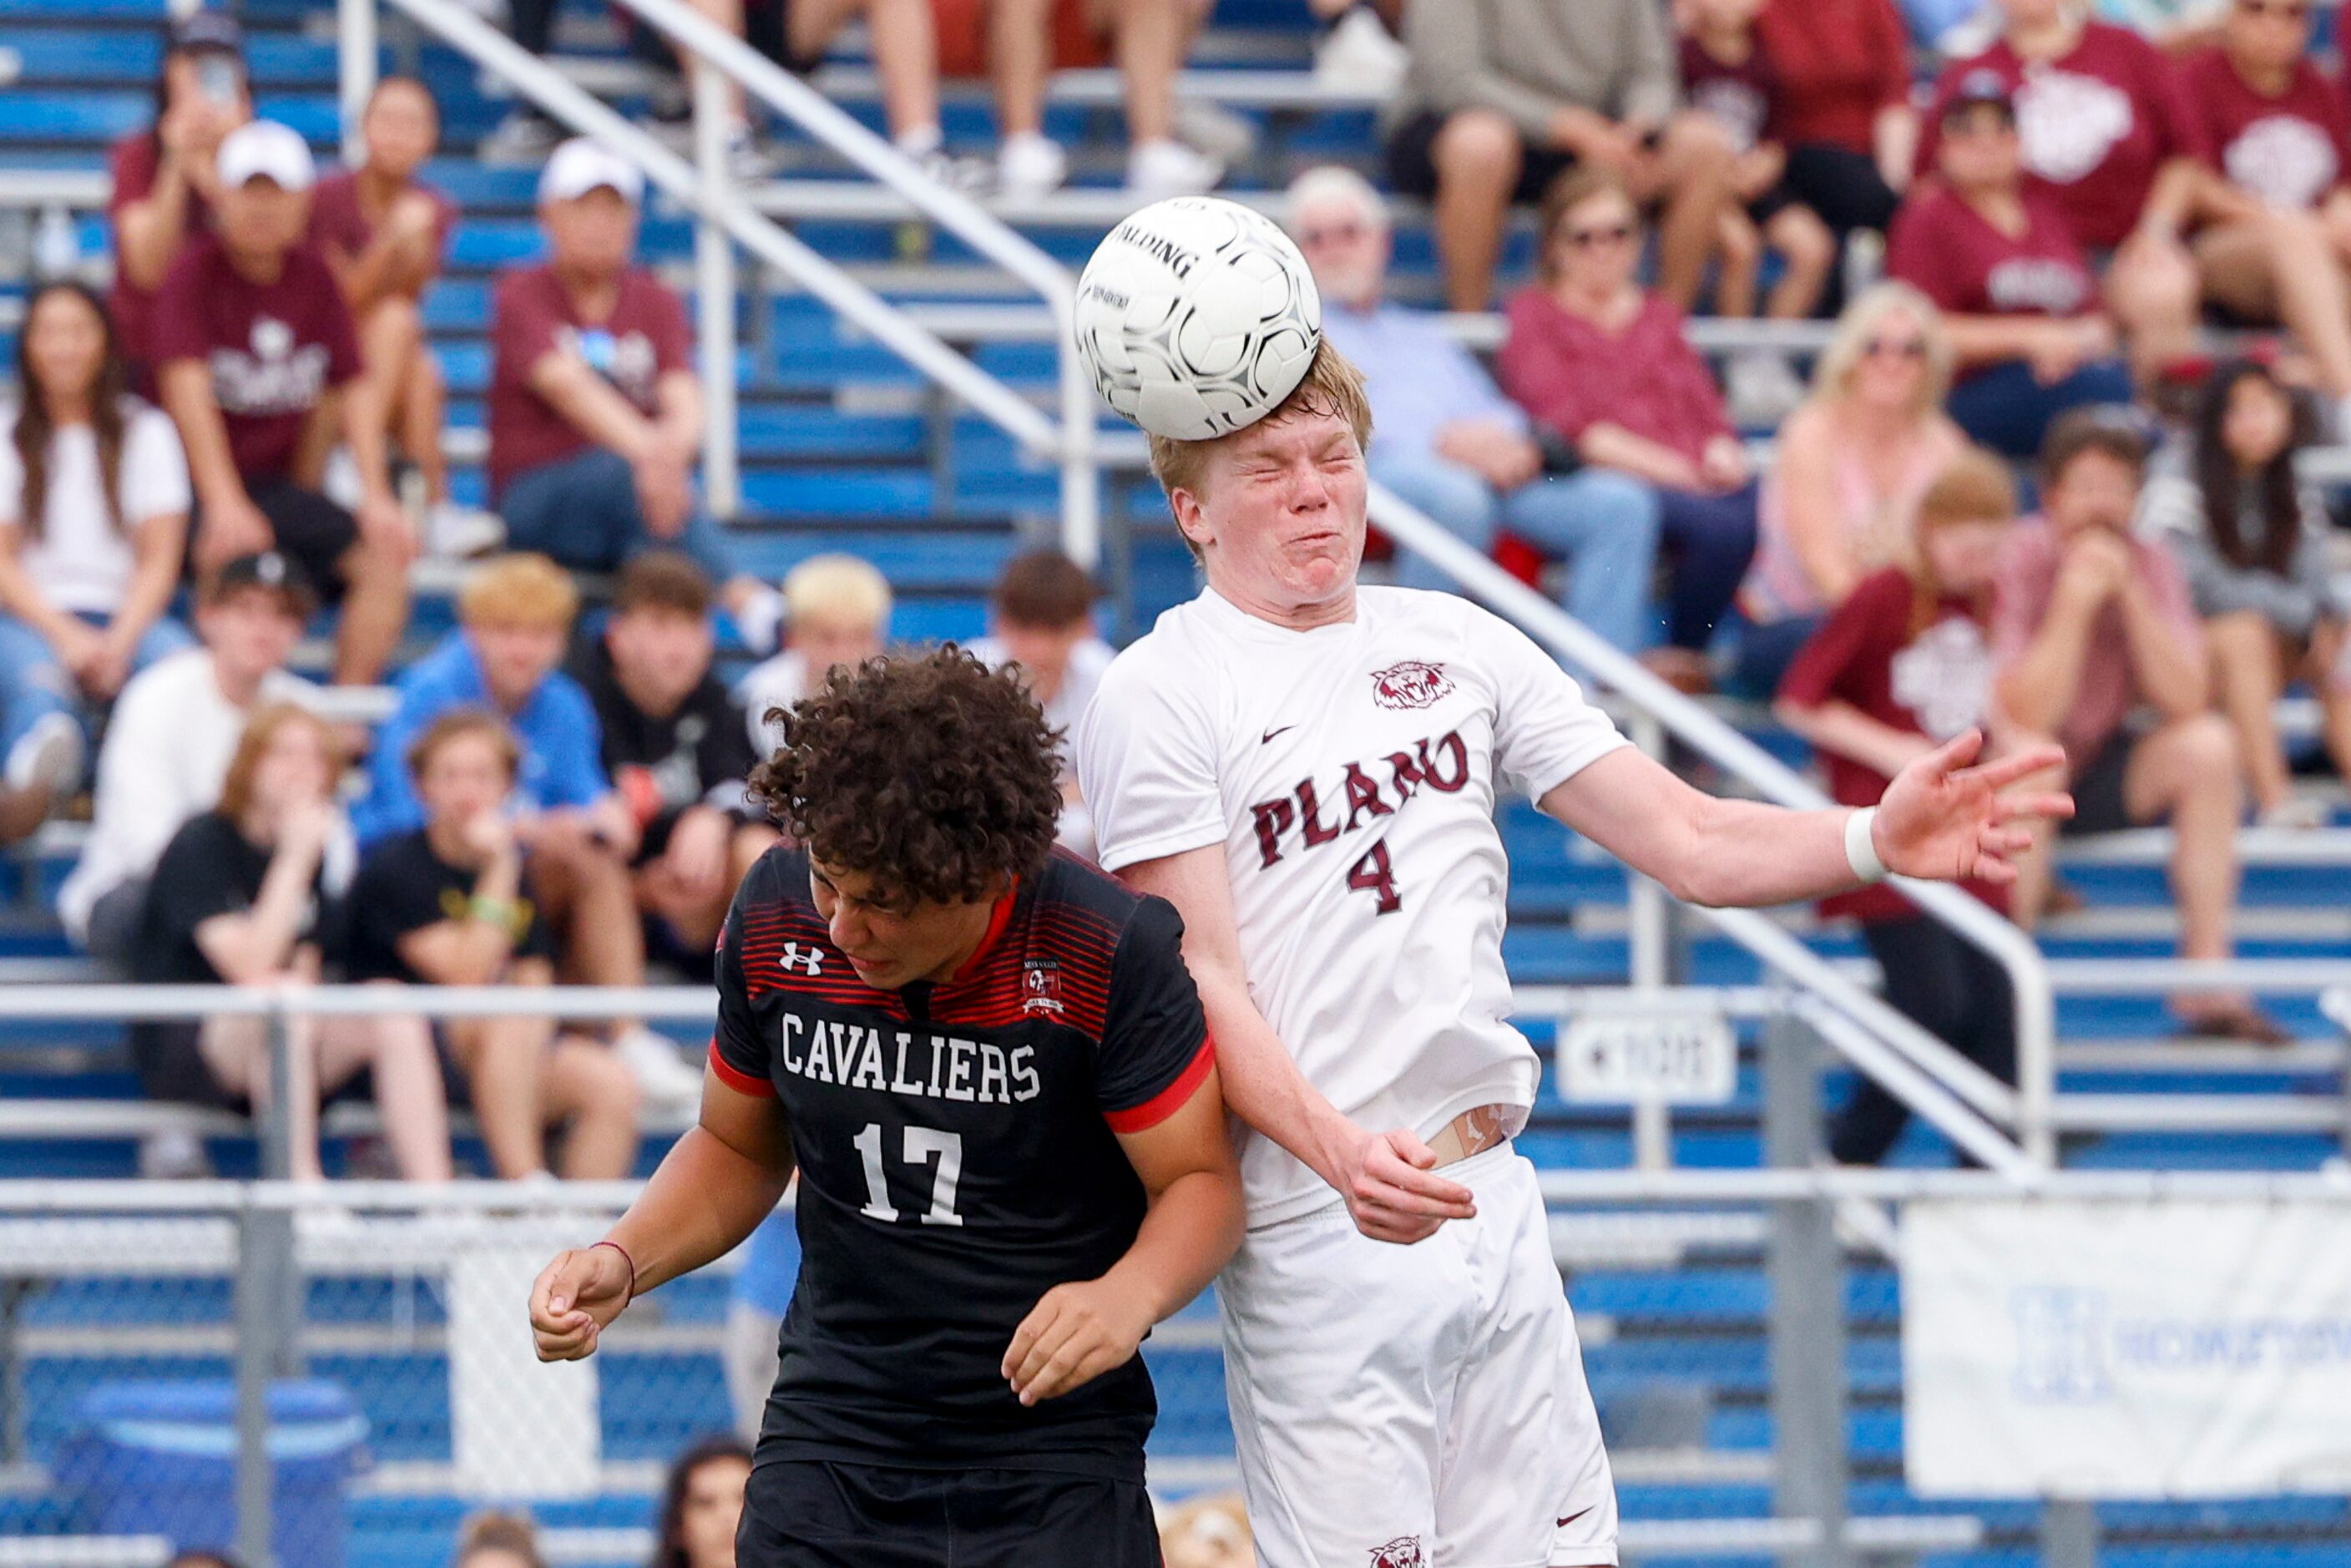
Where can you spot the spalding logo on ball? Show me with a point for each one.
(1195, 317)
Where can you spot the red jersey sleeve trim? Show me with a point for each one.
(738, 1080)
(1169, 1101)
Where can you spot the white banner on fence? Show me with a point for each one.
(2125, 1350)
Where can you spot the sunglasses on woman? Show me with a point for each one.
(1610, 233)
(1894, 348)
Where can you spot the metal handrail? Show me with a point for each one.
(2033, 1111)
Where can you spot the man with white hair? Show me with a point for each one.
(595, 412)
(1451, 444)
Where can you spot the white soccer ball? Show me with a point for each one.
(1195, 317)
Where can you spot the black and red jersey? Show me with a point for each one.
(959, 1157)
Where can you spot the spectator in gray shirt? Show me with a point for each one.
(1504, 96)
(2252, 540)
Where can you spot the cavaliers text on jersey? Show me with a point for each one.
(958, 1158)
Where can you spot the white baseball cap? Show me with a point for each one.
(264, 149)
(580, 165)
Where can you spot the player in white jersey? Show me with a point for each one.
(1308, 771)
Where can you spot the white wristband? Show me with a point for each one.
(1859, 852)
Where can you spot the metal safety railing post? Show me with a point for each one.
(715, 296)
(1806, 1270)
(1650, 964)
(269, 1294)
(355, 52)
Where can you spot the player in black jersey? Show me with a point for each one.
(989, 1067)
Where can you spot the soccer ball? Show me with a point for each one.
(1195, 317)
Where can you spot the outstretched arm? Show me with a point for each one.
(715, 1186)
(1940, 819)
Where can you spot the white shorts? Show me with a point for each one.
(1416, 1407)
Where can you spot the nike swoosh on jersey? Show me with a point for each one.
(1268, 736)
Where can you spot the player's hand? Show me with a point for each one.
(1943, 819)
(1386, 1179)
(575, 1299)
(1074, 1335)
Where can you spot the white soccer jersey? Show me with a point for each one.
(1350, 774)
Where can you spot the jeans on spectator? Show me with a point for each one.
(582, 511)
(33, 685)
(1765, 650)
(1841, 185)
(1604, 523)
(1937, 980)
(2006, 408)
(1711, 539)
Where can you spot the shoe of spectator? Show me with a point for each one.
(969, 175)
(458, 533)
(1029, 165)
(1157, 170)
(1761, 389)
(47, 757)
(662, 1073)
(1215, 130)
(2299, 813)
(1360, 55)
(521, 137)
(173, 1153)
(748, 163)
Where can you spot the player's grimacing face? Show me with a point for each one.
(1279, 513)
(891, 940)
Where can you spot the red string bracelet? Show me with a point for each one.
(632, 1262)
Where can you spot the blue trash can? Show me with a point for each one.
(160, 1458)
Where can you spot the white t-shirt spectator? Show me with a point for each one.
(81, 560)
(1088, 659)
(778, 681)
(167, 751)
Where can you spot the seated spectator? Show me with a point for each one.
(165, 178)
(1608, 370)
(1208, 1533)
(170, 739)
(2016, 295)
(837, 611)
(1843, 109)
(1451, 444)
(241, 897)
(2089, 624)
(701, 1502)
(1504, 96)
(678, 751)
(2279, 231)
(595, 412)
(2254, 541)
(1040, 618)
(2173, 26)
(93, 527)
(1840, 499)
(443, 906)
(1900, 667)
(2110, 138)
(1020, 43)
(1730, 80)
(256, 359)
(514, 617)
(497, 1540)
(384, 233)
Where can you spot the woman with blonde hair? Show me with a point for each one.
(244, 896)
(1842, 500)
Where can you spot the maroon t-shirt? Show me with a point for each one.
(2098, 124)
(2289, 151)
(1947, 249)
(1739, 98)
(1934, 681)
(339, 228)
(1839, 65)
(1571, 374)
(134, 164)
(644, 339)
(274, 349)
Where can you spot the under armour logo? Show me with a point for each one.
(796, 958)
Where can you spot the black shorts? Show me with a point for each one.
(1412, 163)
(2097, 789)
(805, 1513)
(306, 526)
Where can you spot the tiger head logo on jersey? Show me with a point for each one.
(1404, 1551)
(1410, 684)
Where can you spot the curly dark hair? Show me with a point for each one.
(936, 778)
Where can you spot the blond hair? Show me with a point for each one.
(1332, 385)
(520, 589)
(1335, 184)
(1832, 374)
(839, 590)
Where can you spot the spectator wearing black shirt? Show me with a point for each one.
(678, 749)
(442, 906)
(239, 898)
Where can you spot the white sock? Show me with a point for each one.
(920, 141)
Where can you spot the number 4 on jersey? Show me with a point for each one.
(1376, 875)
